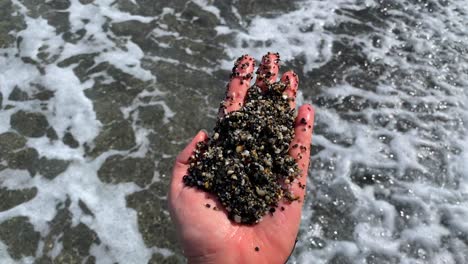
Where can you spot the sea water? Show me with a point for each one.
(98, 97)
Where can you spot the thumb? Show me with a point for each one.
(181, 164)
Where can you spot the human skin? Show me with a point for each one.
(207, 235)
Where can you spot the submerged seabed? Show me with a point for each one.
(97, 98)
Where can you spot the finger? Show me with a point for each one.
(291, 80)
(268, 70)
(300, 147)
(242, 74)
(290, 213)
(182, 161)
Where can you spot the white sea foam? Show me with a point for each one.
(302, 34)
(207, 5)
(377, 219)
(5, 257)
(70, 110)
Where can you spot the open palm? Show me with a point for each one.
(206, 233)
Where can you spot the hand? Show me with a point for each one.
(207, 235)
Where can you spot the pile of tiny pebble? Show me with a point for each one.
(245, 162)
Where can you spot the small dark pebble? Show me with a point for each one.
(282, 208)
(257, 249)
(208, 205)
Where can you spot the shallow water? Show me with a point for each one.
(97, 98)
